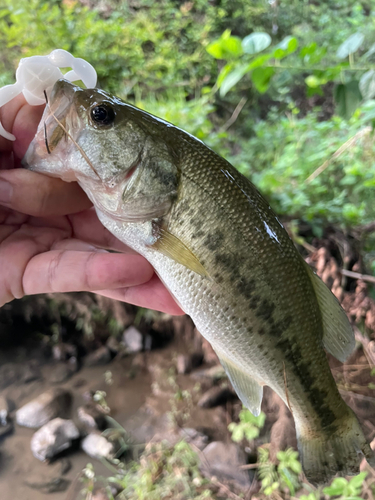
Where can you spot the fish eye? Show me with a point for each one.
(103, 114)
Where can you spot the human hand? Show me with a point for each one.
(50, 237)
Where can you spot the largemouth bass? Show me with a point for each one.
(223, 254)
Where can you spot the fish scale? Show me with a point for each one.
(222, 253)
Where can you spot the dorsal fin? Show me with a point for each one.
(338, 335)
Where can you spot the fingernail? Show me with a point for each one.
(6, 191)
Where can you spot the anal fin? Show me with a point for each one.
(338, 336)
(248, 390)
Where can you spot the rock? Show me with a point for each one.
(4, 410)
(53, 438)
(62, 352)
(224, 460)
(212, 374)
(92, 417)
(216, 396)
(53, 485)
(113, 345)
(194, 437)
(31, 372)
(10, 373)
(101, 356)
(51, 404)
(100, 495)
(62, 372)
(97, 446)
(133, 339)
(62, 467)
(6, 429)
(187, 362)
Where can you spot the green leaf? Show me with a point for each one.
(259, 61)
(367, 84)
(256, 42)
(347, 97)
(232, 78)
(337, 487)
(312, 81)
(289, 44)
(357, 481)
(261, 78)
(351, 45)
(225, 47)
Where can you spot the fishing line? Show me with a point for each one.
(68, 134)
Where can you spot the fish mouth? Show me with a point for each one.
(60, 116)
(55, 135)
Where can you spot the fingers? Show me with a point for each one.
(22, 120)
(152, 295)
(87, 227)
(36, 194)
(77, 270)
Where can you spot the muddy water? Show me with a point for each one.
(17, 464)
(132, 404)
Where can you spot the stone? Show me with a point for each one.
(31, 372)
(216, 396)
(51, 404)
(92, 417)
(53, 438)
(224, 461)
(62, 351)
(10, 373)
(6, 429)
(133, 339)
(113, 345)
(101, 356)
(62, 372)
(187, 362)
(212, 374)
(4, 410)
(194, 437)
(97, 446)
(53, 485)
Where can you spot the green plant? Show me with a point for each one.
(163, 472)
(284, 475)
(346, 490)
(275, 65)
(248, 427)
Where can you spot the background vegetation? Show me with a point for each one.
(284, 89)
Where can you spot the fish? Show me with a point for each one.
(223, 254)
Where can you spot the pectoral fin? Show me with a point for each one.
(338, 336)
(175, 249)
(248, 390)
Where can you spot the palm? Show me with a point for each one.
(49, 251)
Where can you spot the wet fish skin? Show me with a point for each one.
(221, 251)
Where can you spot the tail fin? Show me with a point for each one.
(338, 452)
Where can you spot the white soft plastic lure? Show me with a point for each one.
(38, 74)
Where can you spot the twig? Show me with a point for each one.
(235, 114)
(249, 466)
(365, 344)
(361, 133)
(358, 276)
(355, 395)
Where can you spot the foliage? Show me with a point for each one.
(284, 475)
(346, 490)
(280, 63)
(163, 472)
(248, 427)
(287, 150)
